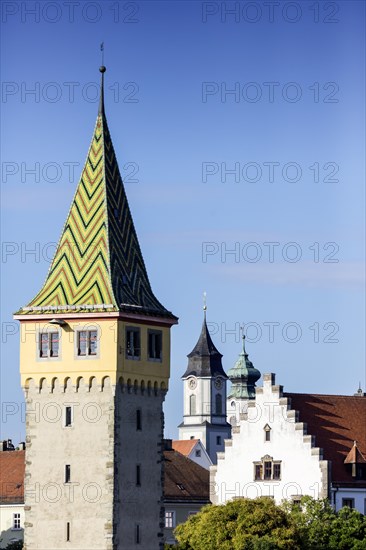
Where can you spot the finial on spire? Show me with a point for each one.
(204, 304)
(102, 69)
(243, 337)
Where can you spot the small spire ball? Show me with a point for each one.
(102, 69)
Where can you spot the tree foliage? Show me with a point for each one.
(260, 524)
(241, 524)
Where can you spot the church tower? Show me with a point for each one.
(95, 365)
(243, 377)
(204, 391)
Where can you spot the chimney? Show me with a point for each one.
(168, 445)
(3, 445)
(21, 446)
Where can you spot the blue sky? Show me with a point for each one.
(192, 93)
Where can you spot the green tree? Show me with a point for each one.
(321, 528)
(241, 524)
(260, 524)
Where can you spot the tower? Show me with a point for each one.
(204, 395)
(95, 364)
(243, 377)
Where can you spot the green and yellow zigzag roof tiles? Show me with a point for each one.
(98, 263)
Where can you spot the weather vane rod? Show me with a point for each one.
(102, 50)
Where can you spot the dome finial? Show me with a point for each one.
(102, 69)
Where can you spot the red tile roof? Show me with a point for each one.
(336, 421)
(184, 446)
(12, 467)
(184, 479)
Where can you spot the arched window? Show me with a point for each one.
(192, 404)
(218, 403)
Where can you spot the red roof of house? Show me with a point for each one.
(184, 446)
(184, 480)
(12, 468)
(336, 421)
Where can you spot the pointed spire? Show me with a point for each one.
(98, 264)
(204, 360)
(102, 69)
(243, 376)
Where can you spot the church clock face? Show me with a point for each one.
(218, 383)
(192, 383)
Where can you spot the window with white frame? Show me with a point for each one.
(16, 521)
(49, 344)
(267, 469)
(169, 519)
(87, 341)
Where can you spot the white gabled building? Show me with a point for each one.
(287, 445)
(194, 450)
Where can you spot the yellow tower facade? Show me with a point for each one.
(95, 365)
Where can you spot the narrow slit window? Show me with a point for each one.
(138, 475)
(68, 416)
(138, 420)
(137, 534)
(267, 433)
(68, 531)
(67, 473)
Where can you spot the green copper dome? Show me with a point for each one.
(243, 377)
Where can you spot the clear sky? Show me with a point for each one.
(235, 124)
